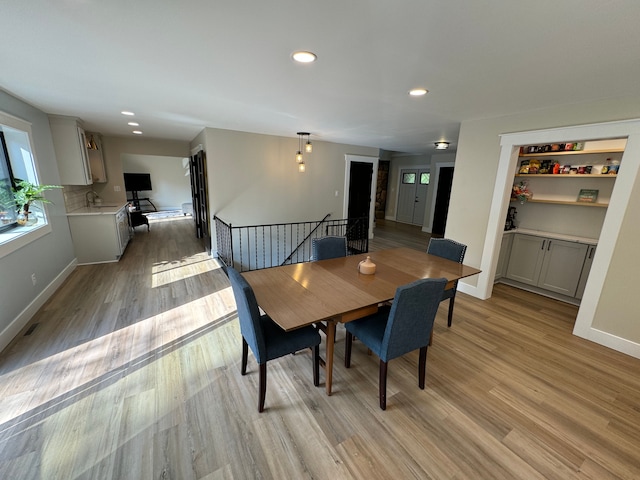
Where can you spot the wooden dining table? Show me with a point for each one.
(327, 292)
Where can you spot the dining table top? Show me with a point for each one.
(305, 293)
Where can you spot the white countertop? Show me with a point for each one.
(104, 209)
(557, 236)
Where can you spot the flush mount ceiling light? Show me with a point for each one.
(304, 57)
(137, 132)
(442, 145)
(308, 148)
(128, 113)
(133, 124)
(418, 92)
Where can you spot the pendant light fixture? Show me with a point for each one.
(308, 148)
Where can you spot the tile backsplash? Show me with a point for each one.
(75, 196)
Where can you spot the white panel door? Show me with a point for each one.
(412, 196)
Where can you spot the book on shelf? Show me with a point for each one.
(587, 196)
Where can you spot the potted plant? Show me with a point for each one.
(25, 193)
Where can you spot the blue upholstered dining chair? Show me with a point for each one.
(451, 250)
(324, 248)
(265, 338)
(400, 328)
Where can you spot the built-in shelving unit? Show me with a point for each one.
(549, 176)
(572, 152)
(595, 153)
(562, 202)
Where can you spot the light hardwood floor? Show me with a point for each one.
(133, 372)
(390, 234)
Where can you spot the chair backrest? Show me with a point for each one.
(446, 248)
(411, 317)
(324, 248)
(248, 314)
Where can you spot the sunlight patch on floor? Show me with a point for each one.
(97, 361)
(165, 273)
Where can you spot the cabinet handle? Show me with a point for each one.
(591, 250)
(549, 246)
(543, 242)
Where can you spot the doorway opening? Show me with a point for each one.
(360, 188)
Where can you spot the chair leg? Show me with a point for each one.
(450, 316)
(422, 367)
(245, 355)
(316, 365)
(348, 342)
(383, 385)
(262, 386)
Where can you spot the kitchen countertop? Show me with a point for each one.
(104, 209)
(557, 236)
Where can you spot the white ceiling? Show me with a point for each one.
(185, 65)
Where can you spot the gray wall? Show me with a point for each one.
(253, 178)
(400, 161)
(50, 256)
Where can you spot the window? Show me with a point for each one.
(409, 178)
(17, 162)
(424, 178)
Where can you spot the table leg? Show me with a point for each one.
(331, 338)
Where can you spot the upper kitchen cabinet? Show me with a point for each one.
(96, 159)
(70, 144)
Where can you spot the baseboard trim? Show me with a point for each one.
(14, 328)
(614, 342)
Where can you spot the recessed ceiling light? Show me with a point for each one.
(126, 112)
(304, 57)
(133, 124)
(137, 132)
(418, 92)
(441, 145)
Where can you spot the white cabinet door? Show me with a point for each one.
(95, 238)
(562, 266)
(123, 229)
(525, 261)
(503, 259)
(70, 145)
(96, 159)
(585, 271)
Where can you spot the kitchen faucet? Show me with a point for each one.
(94, 195)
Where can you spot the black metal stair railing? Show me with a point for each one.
(255, 247)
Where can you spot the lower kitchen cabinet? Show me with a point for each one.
(503, 259)
(547, 263)
(99, 238)
(586, 268)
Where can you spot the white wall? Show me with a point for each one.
(50, 257)
(474, 183)
(115, 147)
(169, 178)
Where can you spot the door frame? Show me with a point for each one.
(374, 182)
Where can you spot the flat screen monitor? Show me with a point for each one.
(137, 182)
